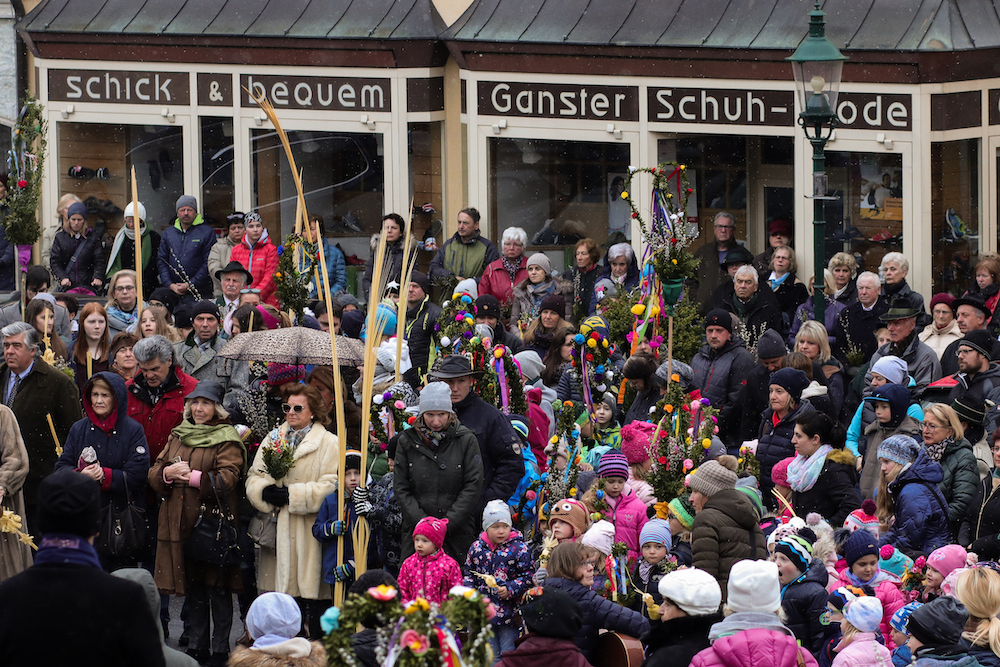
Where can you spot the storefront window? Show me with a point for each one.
(342, 178)
(218, 196)
(426, 187)
(955, 219)
(107, 153)
(558, 191)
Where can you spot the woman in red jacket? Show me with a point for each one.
(500, 276)
(259, 256)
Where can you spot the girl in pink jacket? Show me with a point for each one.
(861, 552)
(859, 647)
(624, 510)
(429, 573)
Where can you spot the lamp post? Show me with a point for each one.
(817, 65)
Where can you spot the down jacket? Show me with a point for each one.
(496, 281)
(509, 562)
(804, 601)
(755, 648)
(835, 493)
(183, 255)
(721, 375)
(159, 418)
(261, 260)
(774, 444)
(961, 478)
(628, 514)
(726, 531)
(863, 650)
(921, 513)
(598, 613)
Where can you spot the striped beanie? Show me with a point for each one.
(613, 464)
(657, 531)
(682, 510)
(863, 518)
(797, 548)
(843, 595)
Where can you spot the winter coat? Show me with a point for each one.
(856, 329)
(947, 656)
(44, 391)
(921, 513)
(499, 449)
(218, 257)
(961, 478)
(296, 652)
(983, 654)
(921, 363)
(806, 312)
(496, 281)
(721, 375)
(510, 563)
(526, 305)
(598, 614)
(875, 434)
(180, 509)
(939, 339)
(790, 294)
(336, 269)
(709, 274)
(15, 556)
(981, 525)
(985, 386)
(537, 651)
(444, 482)
(886, 586)
(172, 656)
(726, 531)
(295, 566)
(394, 256)
(675, 642)
(428, 577)
(183, 256)
(628, 514)
(322, 530)
(804, 601)
(755, 648)
(232, 374)
(261, 260)
(638, 411)
(159, 419)
(774, 444)
(629, 283)
(835, 494)
(386, 522)
(583, 283)
(419, 334)
(467, 259)
(89, 263)
(863, 651)
(902, 290)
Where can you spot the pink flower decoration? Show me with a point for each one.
(491, 611)
(399, 405)
(919, 565)
(688, 464)
(382, 593)
(416, 642)
(530, 495)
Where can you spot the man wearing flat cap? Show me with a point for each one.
(921, 361)
(197, 355)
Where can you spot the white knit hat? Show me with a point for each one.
(129, 213)
(754, 586)
(496, 511)
(695, 591)
(600, 536)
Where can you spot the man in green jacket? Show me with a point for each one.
(466, 254)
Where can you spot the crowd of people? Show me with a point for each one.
(844, 511)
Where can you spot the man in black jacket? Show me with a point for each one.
(102, 620)
(421, 316)
(857, 324)
(499, 443)
(488, 313)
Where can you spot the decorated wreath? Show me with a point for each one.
(292, 285)
(686, 424)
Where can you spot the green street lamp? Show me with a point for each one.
(817, 65)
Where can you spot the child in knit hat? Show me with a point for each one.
(605, 433)
(624, 509)
(902, 656)
(680, 515)
(860, 645)
(689, 608)
(429, 572)
(500, 553)
(328, 527)
(861, 553)
(863, 518)
(803, 588)
(568, 520)
(656, 541)
(598, 542)
(940, 564)
(637, 446)
(832, 617)
(779, 478)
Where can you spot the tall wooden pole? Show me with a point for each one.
(138, 249)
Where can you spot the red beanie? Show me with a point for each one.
(433, 529)
(637, 438)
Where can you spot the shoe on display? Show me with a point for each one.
(81, 172)
(103, 174)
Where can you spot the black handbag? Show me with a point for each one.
(214, 539)
(123, 530)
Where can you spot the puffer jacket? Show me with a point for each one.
(721, 375)
(510, 563)
(726, 531)
(863, 651)
(183, 256)
(89, 263)
(981, 525)
(921, 513)
(629, 516)
(886, 586)
(598, 614)
(261, 260)
(755, 648)
(677, 641)
(835, 493)
(429, 577)
(804, 601)
(961, 478)
(774, 444)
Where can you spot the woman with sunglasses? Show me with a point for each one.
(295, 567)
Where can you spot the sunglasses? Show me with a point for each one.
(249, 291)
(297, 409)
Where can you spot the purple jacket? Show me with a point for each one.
(510, 563)
(754, 648)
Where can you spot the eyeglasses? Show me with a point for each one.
(725, 226)
(932, 427)
(124, 288)
(297, 409)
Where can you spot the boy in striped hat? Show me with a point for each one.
(803, 588)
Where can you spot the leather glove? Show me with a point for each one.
(362, 505)
(338, 527)
(345, 572)
(275, 495)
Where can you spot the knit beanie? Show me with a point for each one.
(600, 536)
(893, 561)
(902, 616)
(863, 518)
(779, 473)
(711, 477)
(754, 586)
(947, 558)
(637, 440)
(435, 397)
(530, 363)
(572, 512)
(352, 460)
(940, 622)
(206, 307)
(748, 487)
(839, 598)
(797, 548)
(613, 464)
(496, 511)
(941, 297)
(433, 529)
(899, 448)
(422, 280)
(551, 612)
(130, 208)
(770, 345)
(468, 286)
(656, 531)
(979, 340)
(892, 368)
(186, 200)
(542, 260)
(860, 544)
(694, 591)
(520, 424)
(279, 374)
(682, 510)
(719, 318)
(77, 208)
(69, 502)
(554, 302)
(791, 380)
(864, 613)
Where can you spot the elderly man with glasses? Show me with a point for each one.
(712, 256)
(198, 355)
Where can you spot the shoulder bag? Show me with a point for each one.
(263, 529)
(214, 538)
(123, 531)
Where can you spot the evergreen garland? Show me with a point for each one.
(24, 168)
(292, 286)
(687, 424)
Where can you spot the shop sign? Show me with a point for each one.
(215, 90)
(553, 100)
(720, 106)
(118, 87)
(318, 92)
(871, 111)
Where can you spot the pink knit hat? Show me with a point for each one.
(863, 518)
(433, 529)
(947, 558)
(779, 473)
(637, 439)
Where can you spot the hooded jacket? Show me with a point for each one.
(537, 651)
(804, 601)
(774, 444)
(921, 512)
(726, 531)
(755, 648)
(900, 423)
(721, 375)
(183, 255)
(261, 260)
(120, 444)
(296, 652)
(835, 494)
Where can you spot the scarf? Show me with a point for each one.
(936, 450)
(840, 292)
(114, 258)
(512, 266)
(776, 281)
(539, 292)
(877, 578)
(644, 570)
(65, 548)
(205, 435)
(900, 348)
(803, 472)
(433, 439)
(128, 318)
(295, 437)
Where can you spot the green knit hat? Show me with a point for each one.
(682, 509)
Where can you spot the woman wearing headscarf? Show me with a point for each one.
(204, 455)
(273, 623)
(532, 292)
(122, 253)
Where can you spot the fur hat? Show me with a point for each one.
(711, 477)
(572, 512)
(694, 591)
(657, 531)
(496, 511)
(637, 439)
(433, 529)
(754, 586)
(600, 536)
(864, 613)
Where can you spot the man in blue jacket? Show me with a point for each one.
(184, 250)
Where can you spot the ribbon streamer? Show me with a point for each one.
(504, 390)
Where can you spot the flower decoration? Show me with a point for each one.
(416, 642)
(330, 620)
(383, 592)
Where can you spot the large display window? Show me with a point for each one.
(218, 193)
(955, 214)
